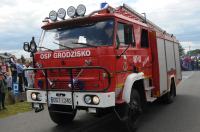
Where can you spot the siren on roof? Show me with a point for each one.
(104, 5)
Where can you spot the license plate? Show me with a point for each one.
(61, 100)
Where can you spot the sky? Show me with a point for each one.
(22, 19)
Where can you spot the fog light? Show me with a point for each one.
(87, 99)
(71, 11)
(53, 15)
(81, 9)
(61, 13)
(96, 100)
(26, 46)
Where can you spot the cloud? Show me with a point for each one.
(180, 17)
(18, 53)
(7, 3)
(188, 45)
(22, 19)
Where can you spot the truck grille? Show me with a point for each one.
(62, 72)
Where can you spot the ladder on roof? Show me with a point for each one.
(141, 17)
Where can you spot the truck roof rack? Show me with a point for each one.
(131, 13)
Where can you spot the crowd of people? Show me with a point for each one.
(11, 73)
(190, 63)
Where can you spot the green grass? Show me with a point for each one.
(16, 108)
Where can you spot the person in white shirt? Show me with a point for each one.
(29, 75)
(9, 77)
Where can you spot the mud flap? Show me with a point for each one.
(38, 107)
(122, 111)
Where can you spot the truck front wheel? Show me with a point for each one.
(61, 115)
(134, 111)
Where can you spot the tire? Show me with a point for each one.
(134, 110)
(169, 97)
(61, 118)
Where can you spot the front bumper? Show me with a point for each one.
(107, 99)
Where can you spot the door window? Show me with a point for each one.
(144, 39)
(124, 35)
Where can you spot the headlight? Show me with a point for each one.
(33, 96)
(71, 11)
(96, 100)
(26, 46)
(81, 9)
(36, 96)
(87, 99)
(53, 15)
(91, 99)
(61, 13)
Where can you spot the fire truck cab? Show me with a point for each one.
(112, 58)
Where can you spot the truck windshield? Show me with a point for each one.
(88, 35)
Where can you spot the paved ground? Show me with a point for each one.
(181, 116)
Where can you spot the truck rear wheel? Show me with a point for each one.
(61, 118)
(169, 97)
(134, 111)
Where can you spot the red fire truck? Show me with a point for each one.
(112, 58)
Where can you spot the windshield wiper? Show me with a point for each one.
(87, 44)
(63, 46)
(46, 49)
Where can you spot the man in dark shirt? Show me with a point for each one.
(2, 90)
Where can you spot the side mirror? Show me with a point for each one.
(26, 46)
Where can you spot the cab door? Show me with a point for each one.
(124, 42)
